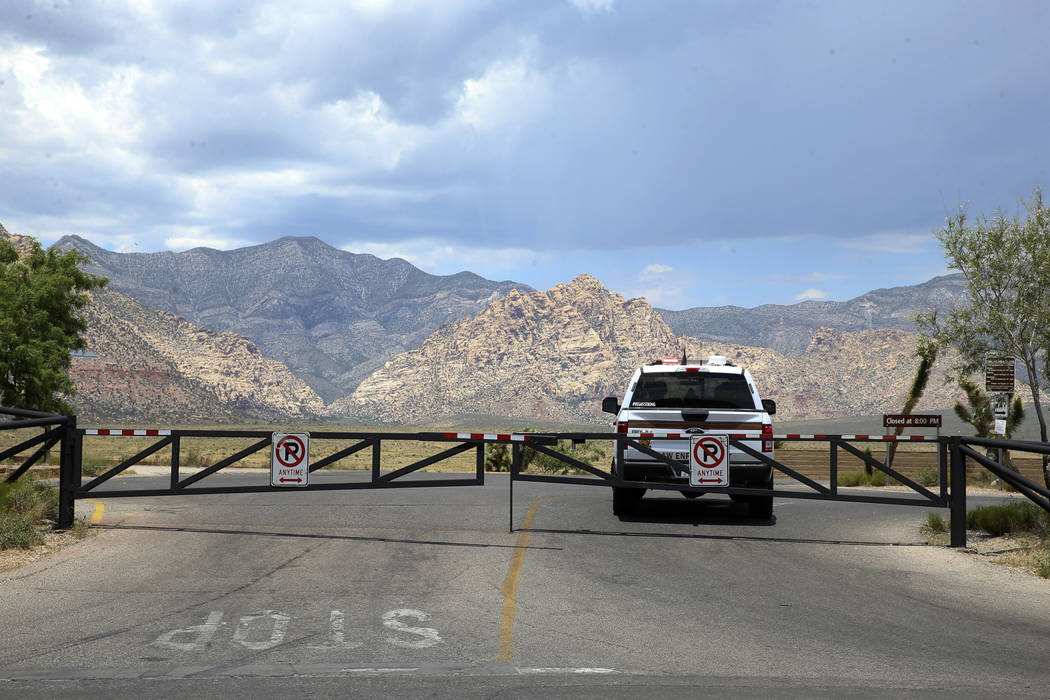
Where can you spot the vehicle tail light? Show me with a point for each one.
(767, 438)
(621, 427)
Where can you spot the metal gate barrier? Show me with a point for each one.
(952, 455)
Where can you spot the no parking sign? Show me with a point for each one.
(290, 460)
(709, 460)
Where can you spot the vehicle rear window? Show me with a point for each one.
(692, 390)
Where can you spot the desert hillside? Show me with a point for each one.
(558, 353)
(150, 364)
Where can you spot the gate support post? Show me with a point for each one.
(69, 467)
(958, 494)
(515, 466)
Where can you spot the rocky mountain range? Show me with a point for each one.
(151, 365)
(789, 329)
(558, 353)
(544, 354)
(331, 316)
(416, 348)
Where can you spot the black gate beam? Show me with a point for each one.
(232, 459)
(820, 488)
(958, 493)
(156, 447)
(69, 471)
(52, 436)
(1033, 491)
(415, 466)
(336, 456)
(31, 442)
(876, 464)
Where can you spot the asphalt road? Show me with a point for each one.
(424, 592)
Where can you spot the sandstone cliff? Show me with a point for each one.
(149, 364)
(545, 354)
(556, 354)
(839, 374)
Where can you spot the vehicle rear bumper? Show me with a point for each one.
(739, 474)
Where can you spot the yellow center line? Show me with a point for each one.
(100, 508)
(509, 587)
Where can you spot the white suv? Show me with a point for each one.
(676, 400)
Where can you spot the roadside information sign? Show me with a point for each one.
(290, 460)
(912, 420)
(1001, 404)
(709, 460)
(999, 374)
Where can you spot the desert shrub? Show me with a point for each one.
(936, 522)
(94, 466)
(876, 478)
(497, 458)
(589, 453)
(30, 499)
(926, 476)
(1010, 518)
(18, 531)
(1042, 564)
(853, 479)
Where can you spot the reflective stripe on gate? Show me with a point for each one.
(125, 431)
(486, 436)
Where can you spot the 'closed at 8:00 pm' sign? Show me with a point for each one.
(709, 460)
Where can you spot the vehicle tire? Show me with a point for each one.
(691, 494)
(625, 500)
(761, 508)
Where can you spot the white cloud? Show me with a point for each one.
(442, 257)
(508, 92)
(666, 296)
(664, 286)
(811, 294)
(654, 272)
(593, 6)
(188, 237)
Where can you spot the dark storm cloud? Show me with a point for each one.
(535, 123)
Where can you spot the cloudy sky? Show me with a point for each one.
(696, 152)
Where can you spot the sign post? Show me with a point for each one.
(290, 460)
(709, 460)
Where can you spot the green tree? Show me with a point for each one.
(1006, 264)
(41, 295)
